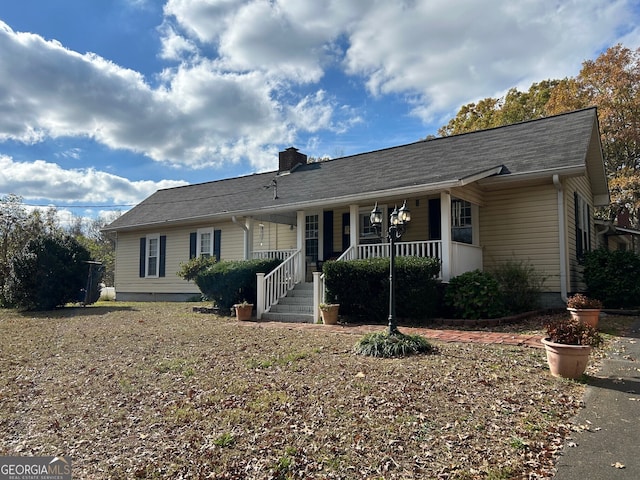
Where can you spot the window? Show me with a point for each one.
(368, 233)
(311, 228)
(205, 242)
(367, 230)
(583, 225)
(461, 225)
(153, 249)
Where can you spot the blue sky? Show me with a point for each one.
(102, 102)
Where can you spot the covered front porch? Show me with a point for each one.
(443, 226)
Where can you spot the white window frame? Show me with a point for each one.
(201, 249)
(311, 234)
(148, 256)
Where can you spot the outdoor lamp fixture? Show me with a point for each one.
(398, 221)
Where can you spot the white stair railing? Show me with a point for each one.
(275, 285)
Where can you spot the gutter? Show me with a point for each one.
(561, 234)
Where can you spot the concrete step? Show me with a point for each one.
(287, 317)
(297, 300)
(297, 306)
(292, 308)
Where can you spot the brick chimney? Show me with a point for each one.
(290, 159)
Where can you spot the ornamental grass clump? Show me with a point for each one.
(572, 332)
(381, 344)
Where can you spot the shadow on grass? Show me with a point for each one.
(75, 311)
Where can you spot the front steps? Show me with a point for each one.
(296, 307)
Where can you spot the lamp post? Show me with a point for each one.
(398, 221)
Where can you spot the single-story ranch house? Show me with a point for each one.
(525, 191)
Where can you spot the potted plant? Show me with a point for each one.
(584, 309)
(243, 310)
(329, 313)
(568, 345)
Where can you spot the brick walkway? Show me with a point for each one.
(449, 336)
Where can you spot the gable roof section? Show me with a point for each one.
(560, 144)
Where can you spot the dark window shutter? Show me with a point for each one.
(143, 256)
(163, 256)
(193, 242)
(588, 245)
(217, 237)
(577, 220)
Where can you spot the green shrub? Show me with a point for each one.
(231, 281)
(520, 285)
(474, 295)
(612, 277)
(190, 270)
(361, 287)
(381, 344)
(48, 272)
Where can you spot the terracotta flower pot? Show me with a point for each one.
(243, 312)
(589, 316)
(568, 361)
(329, 314)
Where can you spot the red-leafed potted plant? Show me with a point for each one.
(568, 345)
(584, 309)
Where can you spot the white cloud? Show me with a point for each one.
(45, 180)
(450, 56)
(243, 77)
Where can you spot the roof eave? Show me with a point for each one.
(572, 171)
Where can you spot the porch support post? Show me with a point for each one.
(354, 214)
(300, 234)
(445, 234)
(260, 296)
(318, 289)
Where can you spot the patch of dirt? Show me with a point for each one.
(154, 390)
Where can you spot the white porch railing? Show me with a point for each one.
(276, 284)
(432, 248)
(269, 254)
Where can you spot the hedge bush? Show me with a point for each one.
(231, 281)
(613, 277)
(474, 295)
(361, 287)
(49, 272)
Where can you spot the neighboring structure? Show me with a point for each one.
(525, 191)
(617, 235)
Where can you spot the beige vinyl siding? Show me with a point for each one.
(522, 224)
(418, 228)
(273, 236)
(127, 273)
(582, 186)
(127, 277)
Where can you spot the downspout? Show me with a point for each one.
(246, 236)
(561, 235)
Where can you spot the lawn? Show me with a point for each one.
(153, 390)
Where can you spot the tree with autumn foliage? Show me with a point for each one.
(611, 83)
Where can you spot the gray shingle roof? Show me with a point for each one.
(552, 143)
